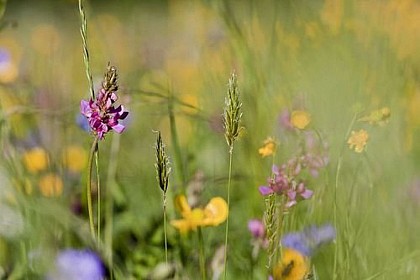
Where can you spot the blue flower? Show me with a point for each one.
(310, 239)
(73, 264)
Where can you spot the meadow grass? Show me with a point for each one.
(337, 61)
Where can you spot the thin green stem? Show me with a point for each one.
(89, 187)
(164, 227)
(202, 255)
(228, 203)
(337, 175)
(98, 188)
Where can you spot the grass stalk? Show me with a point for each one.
(228, 203)
(164, 227)
(89, 187)
(202, 255)
(98, 188)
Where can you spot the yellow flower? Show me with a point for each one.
(379, 117)
(213, 214)
(51, 185)
(292, 266)
(358, 140)
(300, 119)
(74, 158)
(35, 160)
(269, 147)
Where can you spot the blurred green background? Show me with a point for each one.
(335, 59)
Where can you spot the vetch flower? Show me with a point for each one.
(358, 140)
(292, 266)
(35, 159)
(269, 147)
(309, 240)
(73, 264)
(213, 214)
(300, 119)
(101, 112)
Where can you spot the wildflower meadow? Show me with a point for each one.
(210, 139)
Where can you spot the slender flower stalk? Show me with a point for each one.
(89, 187)
(202, 254)
(232, 124)
(162, 176)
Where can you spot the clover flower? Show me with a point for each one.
(213, 214)
(309, 240)
(256, 228)
(73, 264)
(100, 111)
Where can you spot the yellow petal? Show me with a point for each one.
(216, 211)
(181, 205)
(300, 119)
(51, 185)
(35, 160)
(268, 148)
(292, 266)
(75, 158)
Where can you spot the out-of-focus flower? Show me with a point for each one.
(292, 266)
(45, 39)
(284, 120)
(283, 185)
(101, 113)
(256, 228)
(82, 122)
(307, 241)
(35, 159)
(213, 214)
(8, 69)
(50, 185)
(377, 117)
(73, 264)
(269, 147)
(358, 140)
(74, 158)
(300, 119)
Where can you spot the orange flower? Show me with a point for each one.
(213, 214)
(358, 140)
(51, 185)
(300, 119)
(269, 147)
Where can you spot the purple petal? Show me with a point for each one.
(306, 194)
(119, 128)
(264, 190)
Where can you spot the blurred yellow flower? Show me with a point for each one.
(358, 140)
(269, 147)
(35, 160)
(292, 266)
(300, 119)
(51, 185)
(75, 158)
(378, 117)
(213, 214)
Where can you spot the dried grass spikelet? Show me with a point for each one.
(232, 114)
(162, 164)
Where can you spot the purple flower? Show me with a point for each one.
(256, 227)
(310, 239)
(102, 115)
(73, 264)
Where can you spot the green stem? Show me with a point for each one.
(228, 203)
(98, 188)
(164, 227)
(202, 255)
(337, 174)
(89, 186)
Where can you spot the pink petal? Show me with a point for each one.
(264, 190)
(306, 194)
(119, 128)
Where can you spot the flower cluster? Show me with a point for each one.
(101, 112)
(213, 214)
(283, 184)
